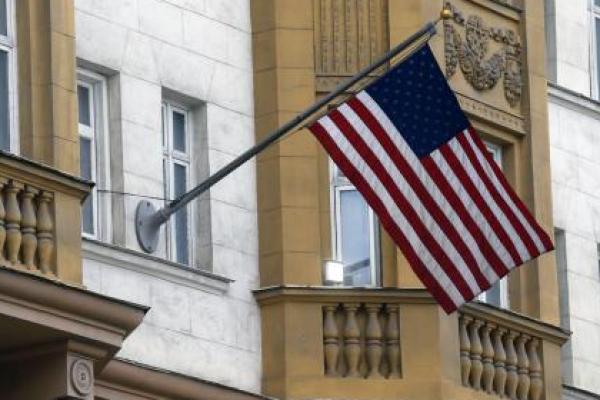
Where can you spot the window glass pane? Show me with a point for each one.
(179, 131)
(83, 97)
(4, 103)
(494, 295)
(597, 3)
(3, 18)
(181, 217)
(355, 235)
(85, 164)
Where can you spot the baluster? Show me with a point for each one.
(351, 340)
(465, 348)
(392, 340)
(535, 370)
(13, 222)
(28, 226)
(499, 362)
(45, 232)
(330, 340)
(488, 357)
(3, 183)
(511, 365)
(374, 342)
(523, 364)
(476, 350)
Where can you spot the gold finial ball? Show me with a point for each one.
(446, 13)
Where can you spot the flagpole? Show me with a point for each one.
(148, 220)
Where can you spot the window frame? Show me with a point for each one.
(497, 154)
(594, 56)
(172, 157)
(338, 184)
(8, 44)
(100, 154)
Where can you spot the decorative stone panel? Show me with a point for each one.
(349, 35)
(483, 53)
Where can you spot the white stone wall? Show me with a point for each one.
(569, 34)
(198, 51)
(575, 157)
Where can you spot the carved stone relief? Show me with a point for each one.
(481, 69)
(349, 35)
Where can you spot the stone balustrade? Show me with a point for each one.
(26, 226)
(361, 340)
(499, 359)
(40, 219)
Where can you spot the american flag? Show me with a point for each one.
(406, 145)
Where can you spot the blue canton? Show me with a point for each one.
(417, 99)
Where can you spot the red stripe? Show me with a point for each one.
(506, 209)
(407, 209)
(452, 197)
(546, 241)
(386, 220)
(463, 177)
(411, 177)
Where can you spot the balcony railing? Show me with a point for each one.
(360, 343)
(40, 219)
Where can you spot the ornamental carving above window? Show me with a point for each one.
(481, 69)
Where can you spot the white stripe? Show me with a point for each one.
(505, 196)
(437, 194)
(456, 148)
(398, 217)
(465, 198)
(405, 187)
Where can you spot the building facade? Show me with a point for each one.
(573, 30)
(168, 86)
(278, 282)
(132, 97)
(343, 315)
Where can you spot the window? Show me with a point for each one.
(8, 136)
(355, 232)
(93, 159)
(498, 294)
(176, 177)
(596, 48)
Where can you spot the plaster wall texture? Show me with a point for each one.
(575, 157)
(197, 53)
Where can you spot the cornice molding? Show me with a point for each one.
(142, 382)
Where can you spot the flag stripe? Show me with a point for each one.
(528, 249)
(442, 295)
(382, 120)
(516, 201)
(415, 175)
(455, 165)
(475, 222)
(453, 265)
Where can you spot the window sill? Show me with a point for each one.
(135, 261)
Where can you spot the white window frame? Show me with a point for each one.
(9, 45)
(171, 157)
(595, 79)
(496, 152)
(98, 134)
(339, 183)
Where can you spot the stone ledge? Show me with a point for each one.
(149, 265)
